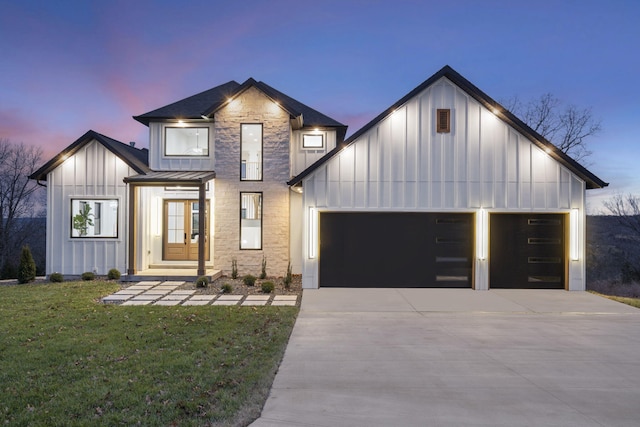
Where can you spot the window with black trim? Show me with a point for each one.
(186, 141)
(443, 120)
(94, 218)
(310, 140)
(250, 220)
(251, 152)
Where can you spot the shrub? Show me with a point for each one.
(249, 280)
(263, 273)
(288, 278)
(226, 288)
(27, 266)
(56, 277)
(88, 275)
(202, 282)
(114, 274)
(234, 268)
(267, 287)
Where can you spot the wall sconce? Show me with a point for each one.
(313, 233)
(482, 234)
(574, 235)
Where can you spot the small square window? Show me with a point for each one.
(443, 120)
(312, 141)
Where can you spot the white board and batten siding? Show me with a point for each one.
(93, 172)
(403, 164)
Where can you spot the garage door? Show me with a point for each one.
(396, 250)
(527, 251)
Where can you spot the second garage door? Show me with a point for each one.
(396, 249)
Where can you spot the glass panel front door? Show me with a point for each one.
(180, 241)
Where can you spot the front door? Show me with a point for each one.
(180, 237)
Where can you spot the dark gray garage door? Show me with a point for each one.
(527, 251)
(396, 250)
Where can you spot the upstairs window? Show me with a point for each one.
(186, 142)
(443, 120)
(312, 141)
(94, 218)
(251, 152)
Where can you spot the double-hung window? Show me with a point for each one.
(251, 152)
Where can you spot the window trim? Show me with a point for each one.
(441, 126)
(321, 147)
(261, 153)
(199, 126)
(261, 221)
(94, 199)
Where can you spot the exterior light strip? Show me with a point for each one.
(313, 233)
(574, 238)
(482, 234)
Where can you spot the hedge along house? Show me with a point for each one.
(211, 188)
(445, 188)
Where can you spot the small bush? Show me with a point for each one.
(267, 287)
(56, 277)
(27, 267)
(226, 288)
(202, 282)
(88, 275)
(249, 280)
(288, 278)
(263, 273)
(234, 268)
(114, 274)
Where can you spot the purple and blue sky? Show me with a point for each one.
(70, 66)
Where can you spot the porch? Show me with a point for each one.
(169, 273)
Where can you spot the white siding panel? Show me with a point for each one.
(402, 163)
(92, 172)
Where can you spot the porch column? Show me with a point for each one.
(201, 228)
(132, 224)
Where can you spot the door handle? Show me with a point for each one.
(185, 238)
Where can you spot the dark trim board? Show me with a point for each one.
(405, 250)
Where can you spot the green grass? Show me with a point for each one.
(634, 302)
(66, 359)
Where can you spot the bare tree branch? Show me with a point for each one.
(566, 128)
(17, 192)
(627, 210)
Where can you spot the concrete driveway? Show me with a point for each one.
(458, 357)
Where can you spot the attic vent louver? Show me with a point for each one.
(443, 120)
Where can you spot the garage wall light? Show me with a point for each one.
(482, 234)
(574, 237)
(313, 233)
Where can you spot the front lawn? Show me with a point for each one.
(66, 359)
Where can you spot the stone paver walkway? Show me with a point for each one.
(167, 293)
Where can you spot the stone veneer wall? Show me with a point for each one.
(252, 107)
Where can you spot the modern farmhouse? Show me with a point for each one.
(445, 188)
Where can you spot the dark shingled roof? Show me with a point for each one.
(208, 102)
(137, 159)
(485, 100)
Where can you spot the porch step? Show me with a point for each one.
(184, 274)
(177, 266)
